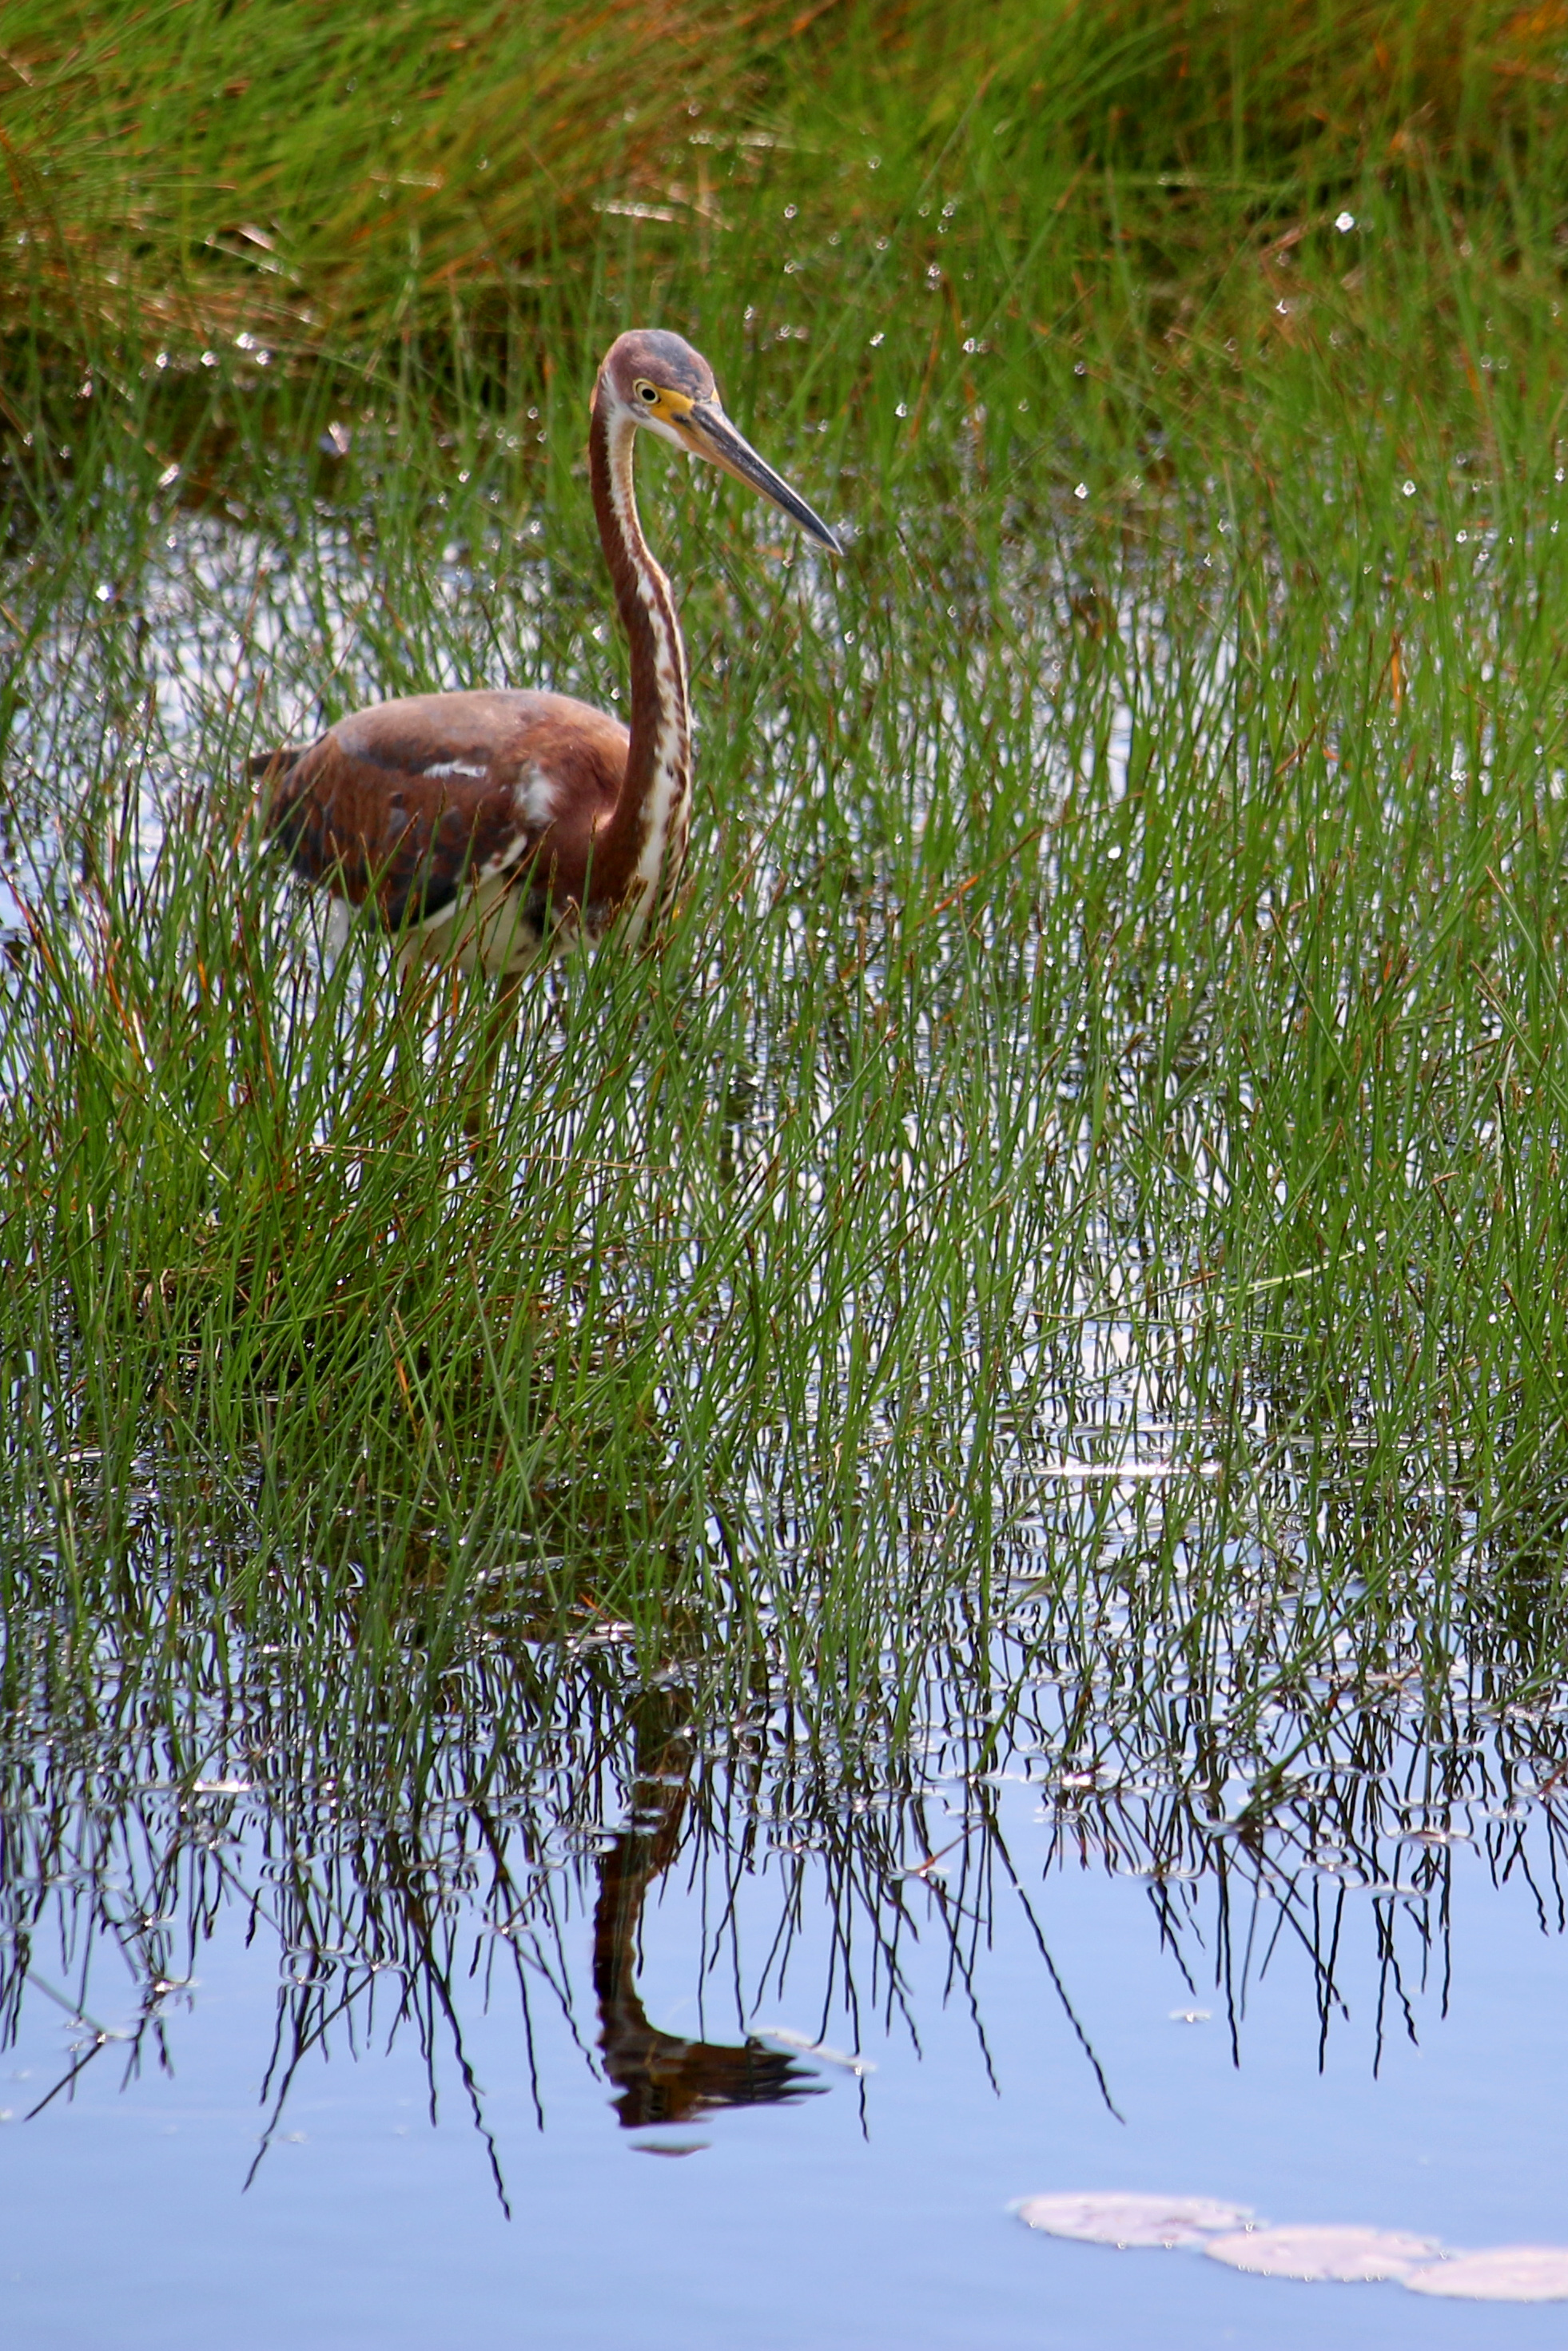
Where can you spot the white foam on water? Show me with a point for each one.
(1346, 2252)
(1124, 2218)
(1501, 2274)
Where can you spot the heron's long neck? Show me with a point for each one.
(639, 854)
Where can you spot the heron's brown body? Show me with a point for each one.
(489, 808)
(493, 827)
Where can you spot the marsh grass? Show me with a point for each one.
(323, 186)
(1085, 1157)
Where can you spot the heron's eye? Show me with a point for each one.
(649, 393)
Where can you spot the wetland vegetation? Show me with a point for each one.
(1060, 1262)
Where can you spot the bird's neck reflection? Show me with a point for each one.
(661, 2076)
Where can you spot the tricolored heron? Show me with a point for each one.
(492, 827)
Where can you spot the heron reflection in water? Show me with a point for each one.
(663, 2077)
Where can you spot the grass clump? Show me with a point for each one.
(1083, 1169)
(312, 186)
(1134, 1036)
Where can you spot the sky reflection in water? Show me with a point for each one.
(572, 1977)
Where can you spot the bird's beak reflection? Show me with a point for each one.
(709, 434)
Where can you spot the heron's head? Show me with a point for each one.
(659, 381)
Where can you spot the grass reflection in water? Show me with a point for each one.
(409, 1875)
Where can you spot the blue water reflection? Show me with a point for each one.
(871, 2213)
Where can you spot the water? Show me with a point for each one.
(359, 2044)
(348, 2110)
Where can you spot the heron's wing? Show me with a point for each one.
(418, 801)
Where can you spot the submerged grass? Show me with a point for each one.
(1092, 1134)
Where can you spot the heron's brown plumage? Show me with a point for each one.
(416, 804)
(491, 826)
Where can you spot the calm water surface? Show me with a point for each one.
(589, 2125)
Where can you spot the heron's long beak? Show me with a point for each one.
(708, 432)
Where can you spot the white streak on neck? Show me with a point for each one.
(668, 806)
